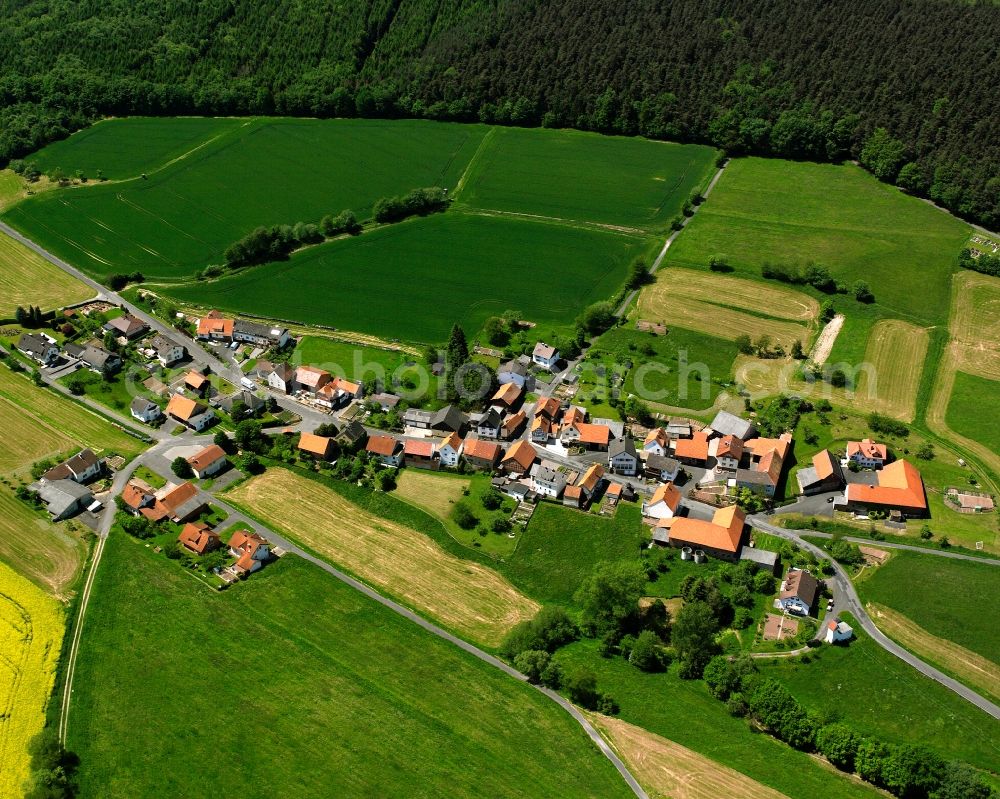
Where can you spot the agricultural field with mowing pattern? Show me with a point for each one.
(414, 280)
(337, 696)
(974, 400)
(726, 306)
(896, 352)
(466, 597)
(31, 631)
(28, 279)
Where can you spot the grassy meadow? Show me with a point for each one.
(31, 631)
(794, 213)
(609, 180)
(413, 280)
(28, 279)
(335, 696)
(974, 400)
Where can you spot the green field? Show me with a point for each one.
(790, 212)
(353, 361)
(878, 694)
(416, 279)
(974, 400)
(355, 702)
(126, 148)
(942, 595)
(565, 174)
(263, 172)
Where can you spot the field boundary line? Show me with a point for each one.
(483, 145)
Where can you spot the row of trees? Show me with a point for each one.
(418, 202)
(819, 278)
(915, 772)
(985, 263)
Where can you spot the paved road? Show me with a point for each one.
(846, 598)
(941, 553)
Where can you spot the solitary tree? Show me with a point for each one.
(181, 468)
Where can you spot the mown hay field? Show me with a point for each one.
(26, 439)
(728, 307)
(974, 402)
(31, 631)
(466, 597)
(667, 769)
(28, 279)
(793, 213)
(259, 172)
(895, 353)
(301, 687)
(435, 493)
(611, 180)
(414, 280)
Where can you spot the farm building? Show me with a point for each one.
(519, 458)
(825, 474)
(798, 592)
(420, 454)
(586, 435)
(721, 538)
(208, 462)
(867, 454)
(385, 402)
(513, 425)
(662, 468)
(764, 559)
(81, 468)
(387, 449)
(900, 490)
(191, 413)
(318, 446)
(196, 382)
(692, 451)
(249, 404)
(63, 498)
(310, 379)
(199, 538)
(767, 463)
(729, 424)
(127, 326)
(664, 503)
(482, 454)
(622, 457)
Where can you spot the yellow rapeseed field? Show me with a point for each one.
(31, 631)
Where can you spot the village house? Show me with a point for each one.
(899, 491)
(516, 371)
(763, 559)
(541, 429)
(662, 468)
(197, 382)
(145, 410)
(767, 463)
(547, 479)
(721, 538)
(208, 462)
(81, 468)
(507, 397)
(279, 376)
(250, 551)
(179, 504)
(388, 450)
(338, 393)
(664, 504)
(310, 379)
(352, 435)
(96, 358)
(867, 454)
(38, 347)
(191, 413)
(260, 334)
(518, 459)
(420, 454)
(728, 452)
(729, 424)
(545, 356)
(513, 425)
(586, 435)
(548, 408)
(798, 592)
(481, 454)
(824, 475)
(622, 457)
(656, 442)
(588, 484)
(199, 538)
(241, 404)
(837, 631)
(63, 498)
(214, 327)
(127, 326)
(385, 402)
(448, 419)
(167, 351)
(692, 451)
(317, 446)
(486, 424)
(140, 499)
(450, 450)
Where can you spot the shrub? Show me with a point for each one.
(646, 652)
(463, 516)
(532, 663)
(180, 467)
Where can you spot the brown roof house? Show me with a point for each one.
(81, 468)
(199, 538)
(798, 592)
(518, 459)
(250, 551)
(387, 449)
(193, 414)
(208, 462)
(180, 503)
(481, 454)
(318, 446)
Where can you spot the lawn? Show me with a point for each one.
(878, 694)
(571, 175)
(352, 360)
(414, 280)
(682, 368)
(562, 546)
(467, 597)
(684, 712)
(942, 595)
(126, 148)
(333, 694)
(28, 279)
(974, 400)
(793, 213)
(261, 172)
(31, 631)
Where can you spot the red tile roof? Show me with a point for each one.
(594, 433)
(314, 444)
(382, 445)
(482, 450)
(522, 454)
(418, 448)
(206, 457)
(722, 533)
(899, 486)
(867, 448)
(694, 448)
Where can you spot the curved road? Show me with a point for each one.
(846, 598)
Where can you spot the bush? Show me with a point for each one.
(879, 423)
(646, 653)
(463, 516)
(501, 526)
(549, 630)
(839, 744)
(532, 663)
(581, 685)
(492, 499)
(180, 467)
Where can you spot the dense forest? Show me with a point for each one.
(910, 88)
